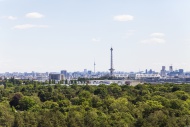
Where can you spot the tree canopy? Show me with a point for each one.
(39, 105)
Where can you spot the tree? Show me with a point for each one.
(50, 89)
(50, 81)
(50, 105)
(91, 119)
(15, 99)
(66, 81)
(52, 119)
(75, 119)
(101, 91)
(96, 101)
(6, 116)
(114, 89)
(26, 103)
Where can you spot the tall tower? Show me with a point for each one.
(94, 67)
(111, 69)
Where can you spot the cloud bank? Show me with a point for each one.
(9, 17)
(35, 15)
(155, 38)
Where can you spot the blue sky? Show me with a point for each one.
(41, 35)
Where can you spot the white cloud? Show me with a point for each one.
(9, 17)
(95, 39)
(123, 18)
(34, 15)
(153, 41)
(28, 26)
(155, 38)
(157, 35)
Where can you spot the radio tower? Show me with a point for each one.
(94, 67)
(111, 69)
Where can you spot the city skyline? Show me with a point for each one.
(148, 70)
(55, 35)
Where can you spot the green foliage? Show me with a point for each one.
(50, 105)
(25, 103)
(29, 103)
(102, 91)
(15, 99)
(6, 115)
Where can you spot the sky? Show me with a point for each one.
(54, 35)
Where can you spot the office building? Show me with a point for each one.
(171, 69)
(163, 71)
(56, 77)
(64, 72)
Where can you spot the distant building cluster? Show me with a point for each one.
(30, 76)
(170, 75)
(165, 75)
(57, 76)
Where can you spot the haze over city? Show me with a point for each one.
(54, 35)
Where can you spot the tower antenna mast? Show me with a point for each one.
(111, 68)
(94, 67)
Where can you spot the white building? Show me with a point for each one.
(121, 75)
(143, 76)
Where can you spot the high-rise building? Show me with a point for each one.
(47, 73)
(163, 71)
(85, 71)
(150, 71)
(146, 71)
(163, 68)
(171, 69)
(89, 72)
(64, 73)
(181, 71)
(33, 74)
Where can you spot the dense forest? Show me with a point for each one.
(32, 104)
